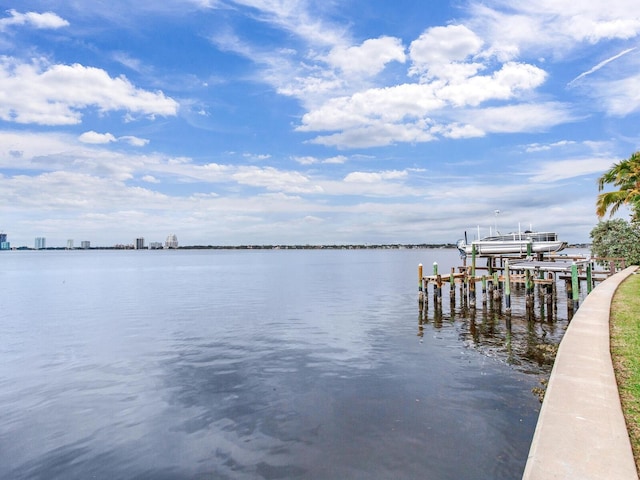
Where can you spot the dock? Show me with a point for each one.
(501, 274)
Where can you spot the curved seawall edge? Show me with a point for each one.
(581, 431)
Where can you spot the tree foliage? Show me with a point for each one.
(626, 176)
(617, 238)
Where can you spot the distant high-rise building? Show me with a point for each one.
(70, 244)
(4, 245)
(139, 243)
(172, 241)
(40, 243)
(86, 244)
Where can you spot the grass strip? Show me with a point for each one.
(625, 353)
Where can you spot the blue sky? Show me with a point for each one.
(311, 122)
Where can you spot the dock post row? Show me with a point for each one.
(505, 274)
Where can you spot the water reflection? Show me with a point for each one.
(526, 336)
(282, 411)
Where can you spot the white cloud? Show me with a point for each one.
(96, 138)
(537, 147)
(309, 160)
(601, 65)
(295, 17)
(306, 160)
(378, 134)
(370, 58)
(374, 177)
(256, 156)
(505, 84)
(390, 104)
(128, 61)
(553, 26)
(619, 97)
(134, 141)
(273, 179)
(569, 168)
(439, 51)
(337, 160)
(47, 20)
(417, 112)
(56, 94)
(517, 118)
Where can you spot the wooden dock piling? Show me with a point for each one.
(575, 285)
(507, 288)
(504, 274)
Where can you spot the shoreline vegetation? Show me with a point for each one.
(389, 246)
(625, 353)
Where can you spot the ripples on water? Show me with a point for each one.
(252, 365)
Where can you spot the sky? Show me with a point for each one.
(264, 122)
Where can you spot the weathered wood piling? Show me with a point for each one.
(507, 273)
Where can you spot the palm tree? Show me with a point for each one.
(626, 176)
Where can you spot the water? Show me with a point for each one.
(224, 364)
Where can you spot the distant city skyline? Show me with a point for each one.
(41, 242)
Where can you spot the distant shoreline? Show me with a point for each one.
(281, 247)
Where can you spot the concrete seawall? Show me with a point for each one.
(581, 432)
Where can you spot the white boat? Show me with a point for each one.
(517, 243)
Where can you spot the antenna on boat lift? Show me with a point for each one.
(497, 212)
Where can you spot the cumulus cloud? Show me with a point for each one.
(369, 58)
(415, 112)
(56, 94)
(47, 20)
(96, 138)
(440, 52)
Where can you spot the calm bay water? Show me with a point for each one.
(223, 364)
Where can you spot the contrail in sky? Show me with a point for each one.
(600, 65)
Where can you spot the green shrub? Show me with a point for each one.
(617, 238)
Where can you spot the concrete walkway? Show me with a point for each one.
(581, 432)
